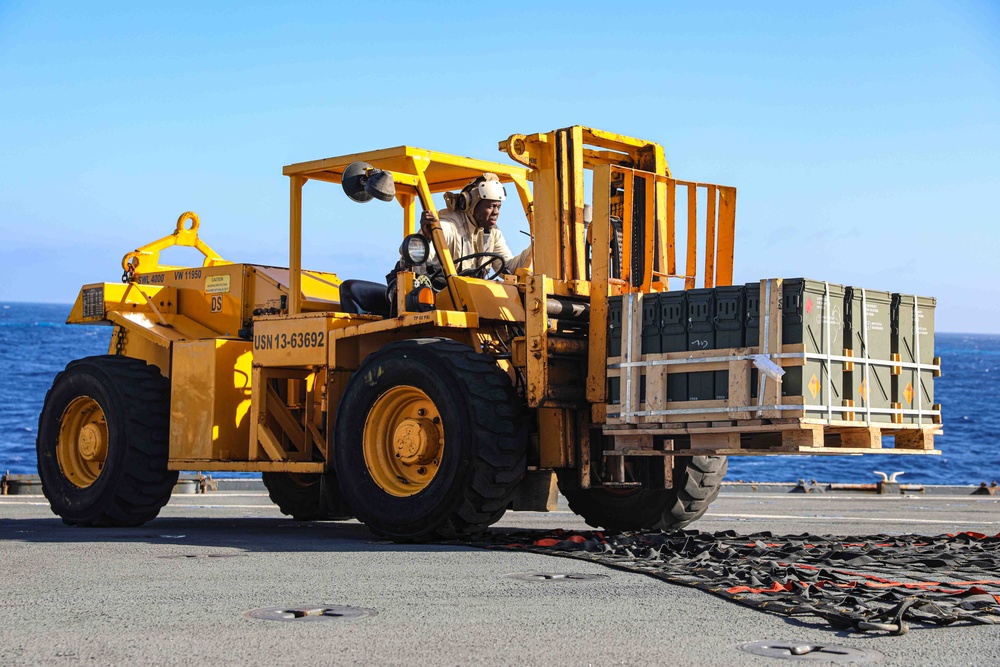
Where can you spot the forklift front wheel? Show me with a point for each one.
(429, 441)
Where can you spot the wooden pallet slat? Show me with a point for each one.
(859, 438)
(915, 439)
(715, 438)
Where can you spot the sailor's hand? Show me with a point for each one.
(427, 219)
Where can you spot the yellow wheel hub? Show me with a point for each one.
(403, 441)
(82, 449)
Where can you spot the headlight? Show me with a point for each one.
(415, 250)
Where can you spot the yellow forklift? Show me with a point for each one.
(470, 393)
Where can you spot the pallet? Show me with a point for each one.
(791, 436)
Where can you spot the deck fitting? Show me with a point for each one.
(796, 650)
(314, 612)
(555, 576)
(987, 490)
(202, 556)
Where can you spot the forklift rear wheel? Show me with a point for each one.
(696, 484)
(430, 440)
(103, 442)
(307, 496)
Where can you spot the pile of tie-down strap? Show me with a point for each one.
(860, 583)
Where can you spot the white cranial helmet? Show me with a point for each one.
(487, 186)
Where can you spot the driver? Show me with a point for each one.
(470, 224)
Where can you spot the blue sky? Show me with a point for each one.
(864, 138)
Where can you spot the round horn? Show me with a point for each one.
(353, 181)
(380, 185)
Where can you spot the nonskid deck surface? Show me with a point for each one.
(177, 588)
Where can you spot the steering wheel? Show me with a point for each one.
(491, 258)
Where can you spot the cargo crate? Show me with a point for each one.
(868, 327)
(812, 315)
(802, 327)
(730, 328)
(912, 319)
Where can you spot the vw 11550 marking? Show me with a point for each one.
(280, 341)
(157, 278)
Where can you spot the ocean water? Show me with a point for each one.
(35, 344)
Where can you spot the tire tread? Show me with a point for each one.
(697, 481)
(144, 396)
(497, 428)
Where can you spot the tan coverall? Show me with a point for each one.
(464, 237)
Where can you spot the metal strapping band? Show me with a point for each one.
(627, 314)
(916, 354)
(866, 355)
(828, 366)
(781, 355)
(761, 377)
(747, 408)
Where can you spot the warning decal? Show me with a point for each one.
(217, 284)
(908, 393)
(814, 385)
(863, 390)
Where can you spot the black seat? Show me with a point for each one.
(364, 297)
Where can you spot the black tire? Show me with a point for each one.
(307, 496)
(485, 440)
(696, 484)
(133, 483)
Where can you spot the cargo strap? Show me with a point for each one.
(916, 357)
(871, 583)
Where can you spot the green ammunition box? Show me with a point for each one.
(651, 324)
(868, 319)
(701, 336)
(751, 327)
(812, 314)
(614, 344)
(729, 322)
(913, 340)
(673, 338)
